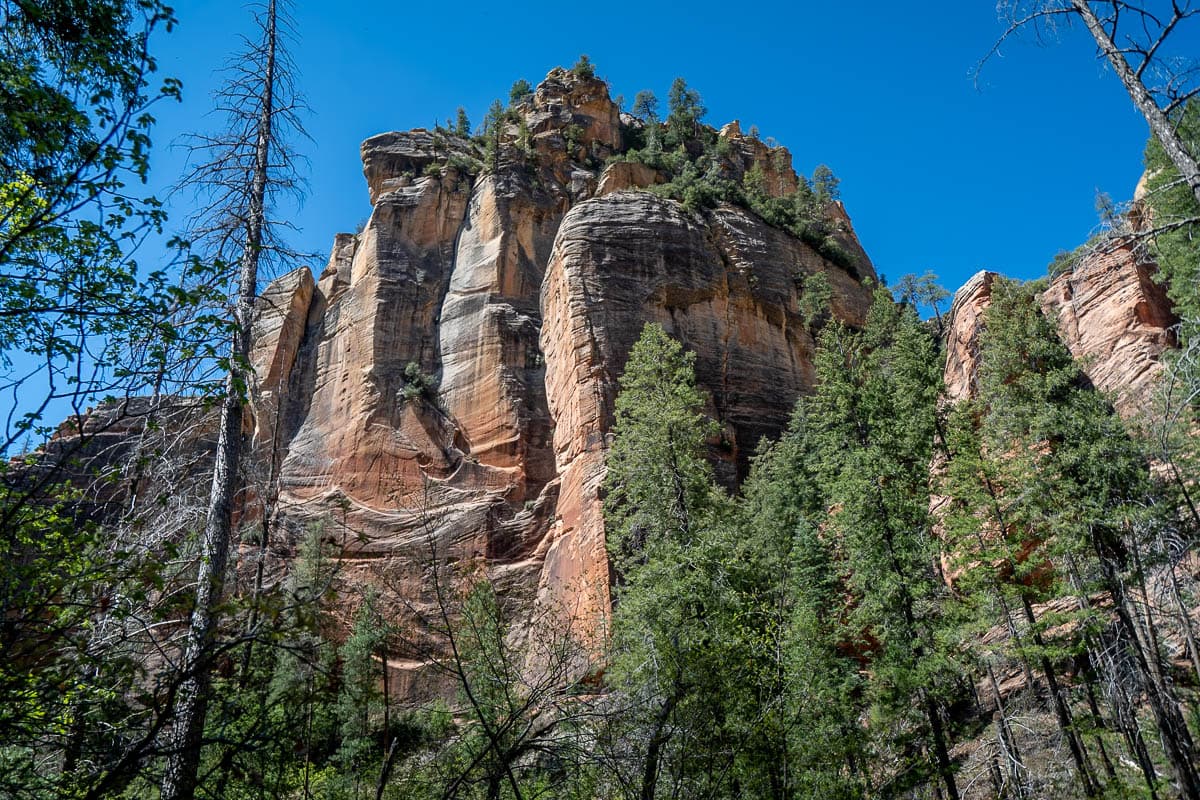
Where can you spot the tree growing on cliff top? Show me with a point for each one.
(684, 112)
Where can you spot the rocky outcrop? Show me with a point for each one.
(961, 336)
(445, 388)
(1111, 313)
(572, 117)
(774, 163)
(723, 283)
(281, 317)
(1117, 320)
(628, 175)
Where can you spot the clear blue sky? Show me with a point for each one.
(937, 173)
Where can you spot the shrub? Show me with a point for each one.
(584, 68)
(418, 385)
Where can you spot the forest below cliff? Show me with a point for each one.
(599, 462)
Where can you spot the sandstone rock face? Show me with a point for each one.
(961, 338)
(445, 388)
(775, 163)
(393, 160)
(1110, 312)
(725, 285)
(567, 107)
(1117, 320)
(628, 175)
(281, 317)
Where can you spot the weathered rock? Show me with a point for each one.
(443, 393)
(723, 283)
(281, 316)
(394, 160)
(567, 107)
(1117, 321)
(355, 430)
(622, 175)
(775, 163)
(492, 366)
(963, 324)
(1110, 312)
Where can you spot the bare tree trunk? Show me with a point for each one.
(1160, 124)
(186, 739)
(1177, 740)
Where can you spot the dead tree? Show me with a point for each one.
(1136, 39)
(244, 170)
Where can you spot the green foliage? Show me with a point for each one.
(360, 702)
(658, 479)
(418, 385)
(1176, 215)
(645, 105)
(584, 68)
(871, 424)
(493, 131)
(922, 291)
(685, 110)
(520, 91)
(825, 185)
(462, 123)
(816, 301)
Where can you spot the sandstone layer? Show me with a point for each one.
(1110, 312)
(444, 390)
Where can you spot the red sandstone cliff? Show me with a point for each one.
(1110, 312)
(519, 294)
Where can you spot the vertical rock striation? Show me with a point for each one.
(445, 388)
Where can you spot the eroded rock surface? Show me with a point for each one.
(1110, 312)
(1117, 321)
(448, 380)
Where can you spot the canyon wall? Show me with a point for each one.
(443, 390)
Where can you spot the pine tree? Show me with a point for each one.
(462, 124)
(825, 184)
(684, 112)
(874, 417)
(520, 91)
(493, 131)
(661, 515)
(811, 689)
(1067, 531)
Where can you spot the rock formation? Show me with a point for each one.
(443, 391)
(1116, 320)
(445, 388)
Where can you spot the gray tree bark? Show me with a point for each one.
(186, 737)
(1156, 118)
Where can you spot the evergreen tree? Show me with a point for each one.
(1067, 531)
(1175, 214)
(874, 417)
(584, 68)
(809, 689)
(462, 124)
(825, 185)
(684, 112)
(361, 705)
(645, 105)
(520, 91)
(493, 131)
(660, 512)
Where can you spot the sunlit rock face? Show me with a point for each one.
(444, 389)
(1110, 312)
